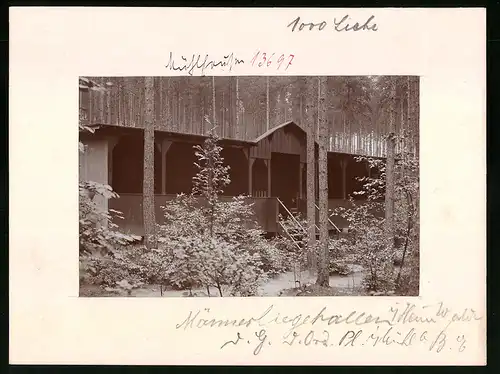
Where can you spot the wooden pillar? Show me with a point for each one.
(251, 160)
(268, 164)
(94, 166)
(112, 142)
(165, 145)
(301, 174)
(343, 165)
(316, 181)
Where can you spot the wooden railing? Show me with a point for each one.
(329, 220)
(266, 211)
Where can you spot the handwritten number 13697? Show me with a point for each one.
(262, 59)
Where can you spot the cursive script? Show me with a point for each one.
(340, 25)
(203, 318)
(403, 324)
(196, 61)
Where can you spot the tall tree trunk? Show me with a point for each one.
(148, 184)
(237, 108)
(201, 108)
(213, 103)
(231, 121)
(323, 273)
(294, 102)
(277, 114)
(408, 117)
(167, 111)
(311, 175)
(223, 119)
(389, 172)
(179, 98)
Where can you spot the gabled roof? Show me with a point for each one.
(271, 131)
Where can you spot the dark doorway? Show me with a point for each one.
(127, 162)
(335, 177)
(181, 169)
(259, 178)
(238, 171)
(285, 169)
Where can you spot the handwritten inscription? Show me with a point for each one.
(197, 62)
(272, 60)
(403, 325)
(352, 338)
(343, 24)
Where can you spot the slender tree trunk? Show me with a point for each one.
(390, 188)
(148, 184)
(295, 102)
(323, 273)
(191, 111)
(201, 109)
(402, 125)
(179, 98)
(237, 108)
(213, 103)
(408, 118)
(167, 111)
(223, 123)
(407, 239)
(311, 175)
(277, 114)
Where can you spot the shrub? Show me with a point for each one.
(369, 244)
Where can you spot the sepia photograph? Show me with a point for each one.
(288, 194)
(239, 186)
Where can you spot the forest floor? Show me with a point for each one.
(286, 284)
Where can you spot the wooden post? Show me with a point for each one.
(316, 180)
(343, 165)
(251, 160)
(112, 142)
(301, 171)
(268, 164)
(165, 145)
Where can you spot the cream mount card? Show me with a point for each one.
(254, 60)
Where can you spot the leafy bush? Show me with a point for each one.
(341, 256)
(212, 242)
(96, 229)
(99, 239)
(369, 243)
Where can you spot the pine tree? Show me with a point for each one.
(148, 185)
(212, 176)
(311, 175)
(217, 243)
(323, 274)
(390, 184)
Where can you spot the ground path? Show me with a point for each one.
(272, 287)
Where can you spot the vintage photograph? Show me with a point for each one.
(220, 186)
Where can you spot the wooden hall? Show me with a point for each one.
(270, 168)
